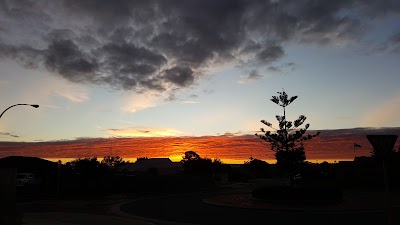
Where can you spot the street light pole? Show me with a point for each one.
(8, 207)
(59, 164)
(35, 106)
(383, 145)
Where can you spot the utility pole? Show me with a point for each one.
(58, 177)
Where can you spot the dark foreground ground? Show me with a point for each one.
(213, 206)
(193, 209)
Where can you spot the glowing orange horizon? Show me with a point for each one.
(230, 149)
(226, 161)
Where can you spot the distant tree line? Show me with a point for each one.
(90, 166)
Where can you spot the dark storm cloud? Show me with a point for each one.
(60, 34)
(396, 38)
(395, 43)
(290, 64)
(274, 69)
(180, 76)
(68, 60)
(171, 97)
(391, 44)
(270, 54)
(26, 55)
(163, 45)
(126, 53)
(283, 67)
(254, 75)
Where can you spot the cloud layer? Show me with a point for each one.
(330, 145)
(168, 45)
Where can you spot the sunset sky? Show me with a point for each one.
(194, 68)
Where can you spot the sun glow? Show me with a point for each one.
(331, 146)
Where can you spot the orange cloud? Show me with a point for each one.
(330, 145)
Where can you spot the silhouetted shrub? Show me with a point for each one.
(257, 168)
(195, 165)
(113, 161)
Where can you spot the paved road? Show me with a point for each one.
(191, 209)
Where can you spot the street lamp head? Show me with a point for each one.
(35, 106)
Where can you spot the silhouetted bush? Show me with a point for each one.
(256, 168)
(113, 161)
(195, 165)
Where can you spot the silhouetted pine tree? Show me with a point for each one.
(287, 141)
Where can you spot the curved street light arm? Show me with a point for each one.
(35, 106)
